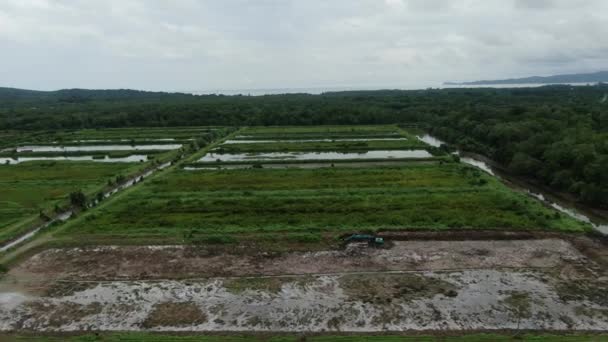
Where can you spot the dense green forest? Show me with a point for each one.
(555, 134)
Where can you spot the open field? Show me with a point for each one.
(32, 187)
(258, 250)
(193, 204)
(112, 143)
(120, 134)
(154, 337)
(546, 282)
(38, 177)
(325, 131)
(322, 146)
(321, 138)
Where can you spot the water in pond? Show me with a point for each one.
(478, 164)
(430, 140)
(389, 154)
(307, 140)
(128, 159)
(41, 148)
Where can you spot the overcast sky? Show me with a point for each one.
(246, 44)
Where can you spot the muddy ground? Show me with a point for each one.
(544, 284)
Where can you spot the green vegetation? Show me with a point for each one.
(191, 205)
(271, 135)
(34, 187)
(122, 337)
(293, 139)
(554, 134)
(323, 146)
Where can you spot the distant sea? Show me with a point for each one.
(316, 91)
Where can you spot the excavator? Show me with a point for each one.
(372, 240)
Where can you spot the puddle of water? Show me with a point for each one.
(41, 148)
(393, 154)
(228, 142)
(478, 164)
(128, 159)
(430, 140)
(11, 300)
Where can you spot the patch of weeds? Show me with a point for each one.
(567, 320)
(389, 314)
(63, 313)
(591, 312)
(62, 289)
(303, 237)
(382, 289)
(478, 252)
(240, 285)
(334, 323)
(257, 321)
(214, 240)
(518, 303)
(578, 290)
(304, 281)
(175, 315)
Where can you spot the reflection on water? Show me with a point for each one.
(128, 159)
(308, 140)
(478, 163)
(88, 148)
(430, 140)
(229, 157)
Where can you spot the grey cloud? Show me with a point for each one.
(207, 44)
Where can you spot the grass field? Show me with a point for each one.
(137, 134)
(33, 186)
(325, 131)
(324, 146)
(268, 134)
(198, 203)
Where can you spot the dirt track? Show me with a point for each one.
(175, 262)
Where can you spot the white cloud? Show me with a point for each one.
(207, 44)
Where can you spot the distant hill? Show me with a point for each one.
(595, 77)
(76, 95)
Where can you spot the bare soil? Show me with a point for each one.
(534, 282)
(179, 262)
(175, 314)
